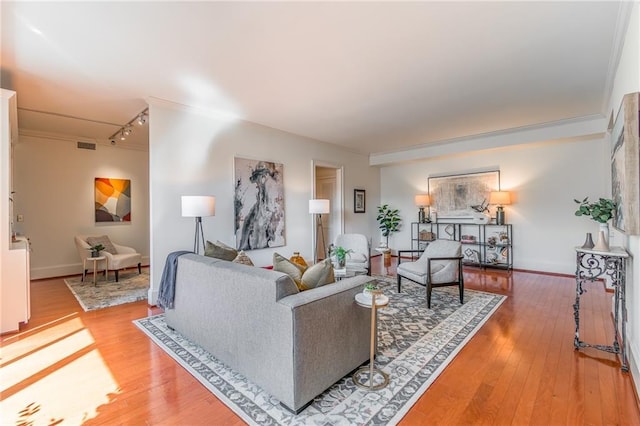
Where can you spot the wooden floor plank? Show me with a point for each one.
(520, 368)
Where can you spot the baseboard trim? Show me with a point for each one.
(58, 271)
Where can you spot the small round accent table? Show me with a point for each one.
(95, 261)
(369, 382)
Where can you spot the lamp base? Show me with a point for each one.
(500, 219)
(421, 218)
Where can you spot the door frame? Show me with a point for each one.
(338, 202)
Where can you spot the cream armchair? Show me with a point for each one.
(439, 265)
(117, 257)
(359, 256)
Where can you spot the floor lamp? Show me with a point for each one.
(319, 207)
(198, 206)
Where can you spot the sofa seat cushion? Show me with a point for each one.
(417, 271)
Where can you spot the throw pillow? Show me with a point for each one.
(282, 264)
(317, 275)
(105, 241)
(243, 258)
(220, 251)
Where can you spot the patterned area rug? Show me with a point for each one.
(415, 344)
(131, 287)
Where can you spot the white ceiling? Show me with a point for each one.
(371, 76)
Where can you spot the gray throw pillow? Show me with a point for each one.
(220, 250)
(105, 241)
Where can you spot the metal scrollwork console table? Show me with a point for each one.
(591, 265)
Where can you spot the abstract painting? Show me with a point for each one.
(625, 166)
(259, 204)
(452, 196)
(113, 200)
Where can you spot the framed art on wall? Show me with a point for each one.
(112, 200)
(453, 196)
(359, 201)
(625, 166)
(259, 204)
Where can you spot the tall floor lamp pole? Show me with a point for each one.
(319, 207)
(198, 206)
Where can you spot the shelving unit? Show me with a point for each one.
(483, 245)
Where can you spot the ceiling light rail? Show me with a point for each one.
(124, 131)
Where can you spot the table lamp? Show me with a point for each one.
(500, 198)
(422, 201)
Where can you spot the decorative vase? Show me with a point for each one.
(604, 227)
(602, 244)
(297, 259)
(342, 263)
(588, 242)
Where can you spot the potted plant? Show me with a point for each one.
(389, 221)
(95, 250)
(601, 211)
(341, 255)
(369, 287)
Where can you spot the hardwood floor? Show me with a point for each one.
(69, 367)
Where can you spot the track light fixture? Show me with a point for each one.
(127, 129)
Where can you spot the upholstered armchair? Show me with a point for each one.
(359, 256)
(439, 265)
(117, 256)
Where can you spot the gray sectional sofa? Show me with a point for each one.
(293, 344)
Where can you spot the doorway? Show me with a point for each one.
(327, 184)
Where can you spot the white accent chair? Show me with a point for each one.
(125, 257)
(439, 265)
(359, 244)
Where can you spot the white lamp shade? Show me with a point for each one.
(500, 198)
(422, 200)
(198, 205)
(319, 206)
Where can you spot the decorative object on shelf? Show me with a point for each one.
(422, 201)
(112, 200)
(453, 195)
(602, 244)
(258, 204)
(297, 259)
(601, 211)
(95, 250)
(341, 255)
(467, 238)
(472, 255)
(500, 199)
(425, 235)
(389, 221)
(359, 200)
(198, 206)
(588, 242)
(319, 207)
(450, 230)
(625, 171)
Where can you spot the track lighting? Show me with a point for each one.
(127, 129)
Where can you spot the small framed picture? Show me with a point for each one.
(358, 201)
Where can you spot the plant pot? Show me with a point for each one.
(95, 253)
(341, 263)
(367, 292)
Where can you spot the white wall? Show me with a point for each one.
(192, 152)
(54, 184)
(627, 80)
(544, 179)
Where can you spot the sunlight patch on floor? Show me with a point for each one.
(61, 378)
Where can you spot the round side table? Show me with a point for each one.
(95, 261)
(373, 302)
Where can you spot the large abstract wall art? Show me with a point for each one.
(259, 204)
(113, 200)
(625, 165)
